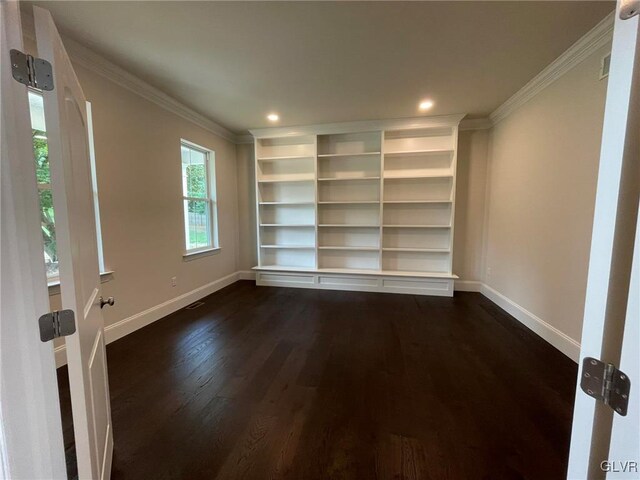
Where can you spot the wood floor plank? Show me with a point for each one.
(277, 383)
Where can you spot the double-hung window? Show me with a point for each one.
(199, 198)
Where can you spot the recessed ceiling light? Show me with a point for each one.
(273, 117)
(425, 104)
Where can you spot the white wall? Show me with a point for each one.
(543, 165)
(137, 145)
(471, 183)
(247, 249)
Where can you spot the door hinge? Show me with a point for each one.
(604, 382)
(31, 71)
(58, 323)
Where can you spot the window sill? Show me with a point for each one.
(187, 257)
(54, 285)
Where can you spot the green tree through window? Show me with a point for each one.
(47, 217)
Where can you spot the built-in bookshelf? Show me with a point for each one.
(286, 201)
(362, 206)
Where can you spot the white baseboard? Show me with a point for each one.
(467, 286)
(246, 275)
(60, 353)
(555, 337)
(130, 324)
(124, 327)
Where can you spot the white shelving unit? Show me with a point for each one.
(360, 206)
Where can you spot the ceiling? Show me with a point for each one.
(321, 62)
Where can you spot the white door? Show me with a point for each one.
(610, 300)
(66, 118)
(31, 444)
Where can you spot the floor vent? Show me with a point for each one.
(194, 305)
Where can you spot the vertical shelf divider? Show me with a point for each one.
(256, 153)
(454, 168)
(317, 196)
(382, 151)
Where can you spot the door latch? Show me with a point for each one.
(59, 323)
(604, 382)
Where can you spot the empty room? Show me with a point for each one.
(320, 240)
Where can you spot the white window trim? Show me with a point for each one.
(53, 281)
(212, 202)
(94, 186)
(193, 255)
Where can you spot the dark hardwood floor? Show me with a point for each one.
(265, 383)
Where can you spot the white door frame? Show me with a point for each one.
(612, 244)
(31, 444)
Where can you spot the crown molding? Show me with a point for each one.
(80, 54)
(365, 125)
(100, 65)
(595, 38)
(475, 124)
(465, 124)
(91, 60)
(244, 138)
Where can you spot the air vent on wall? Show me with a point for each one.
(605, 64)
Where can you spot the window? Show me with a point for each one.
(199, 198)
(43, 177)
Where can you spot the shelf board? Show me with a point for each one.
(290, 247)
(283, 268)
(415, 201)
(410, 273)
(286, 180)
(342, 225)
(421, 250)
(338, 155)
(412, 177)
(351, 202)
(290, 157)
(362, 249)
(417, 226)
(287, 225)
(355, 271)
(346, 179)
(415, 153)
(287, 203)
